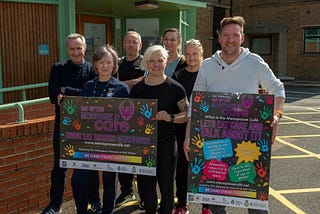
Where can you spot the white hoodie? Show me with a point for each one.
(243, 76)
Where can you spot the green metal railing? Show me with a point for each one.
(23, 89)
(20, 105)
(24, 102)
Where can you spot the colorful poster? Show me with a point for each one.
(230, 149)
(109, 134)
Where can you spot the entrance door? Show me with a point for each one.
(97, 31)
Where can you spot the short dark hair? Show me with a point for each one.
(102, 52)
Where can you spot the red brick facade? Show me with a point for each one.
(284, 21)
(26, 160)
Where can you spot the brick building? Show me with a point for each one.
(285, 33)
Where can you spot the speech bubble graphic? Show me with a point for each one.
(217, 149)
(216, 170)
(242, 172)
(247, 152)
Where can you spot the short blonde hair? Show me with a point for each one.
(196, 43)
(147, 54)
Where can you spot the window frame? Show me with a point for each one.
(305, 37)
(261, 37)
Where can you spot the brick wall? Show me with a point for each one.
(204, 30)
(293, 14)
(10, 116)
(26, 160)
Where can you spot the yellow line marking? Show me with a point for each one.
(298, 136)
(292, 156)
(290, 123)
(309, 124)
(290, 191)
(312, 109)
(298, 113)
(299, 148)
(285, 201)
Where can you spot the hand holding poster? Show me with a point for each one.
(113, 134)
(230, 149)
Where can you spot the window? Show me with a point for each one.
(148, 29)
(261, 45)
(311, 41)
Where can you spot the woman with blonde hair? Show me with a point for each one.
(172, 105)
(193, 52)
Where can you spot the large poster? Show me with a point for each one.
(109, 134)
(230, 149)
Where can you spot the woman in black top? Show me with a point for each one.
(105, 62)
(193, 52)
(172, 108)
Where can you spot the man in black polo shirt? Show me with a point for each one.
(130, 73)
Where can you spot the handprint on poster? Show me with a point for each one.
(230, 149)
(113, 134)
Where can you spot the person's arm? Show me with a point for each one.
(274, 86)
(277, 114)
(186, 144)
(54, 86)
(87, 74)
(181, 117)
(132, 82)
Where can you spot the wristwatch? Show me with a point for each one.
(279, 113)
(172, 117)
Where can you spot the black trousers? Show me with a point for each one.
(181, 173)
(166, 164)
(80, 182)
(58, 174)
(125, 181)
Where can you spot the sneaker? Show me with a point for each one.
(206, 211)
(95, 208)
(181, 211)
(51, 210)
(122, 199)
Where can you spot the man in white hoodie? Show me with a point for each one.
(235, 69)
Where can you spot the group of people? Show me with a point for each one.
(164, 74)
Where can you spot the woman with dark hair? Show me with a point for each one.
(172, 108)
(171, 40)
(105, 62)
